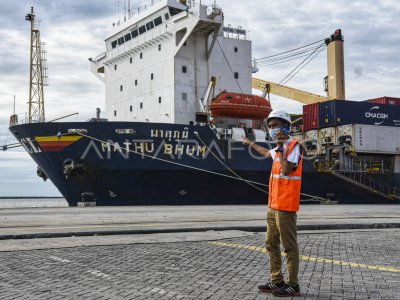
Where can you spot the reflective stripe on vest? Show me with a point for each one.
(286, 177)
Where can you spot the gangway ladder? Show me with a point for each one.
(344, 170)
(381, 188)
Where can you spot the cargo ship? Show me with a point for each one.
(179, 102)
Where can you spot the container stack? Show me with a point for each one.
(343, 112)
(369, 127)
(385, 100)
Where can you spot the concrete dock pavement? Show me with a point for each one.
(194, 252)
(73, 221)
(226, 265)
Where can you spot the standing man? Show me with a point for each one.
(283, 203)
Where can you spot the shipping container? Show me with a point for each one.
(343, 112)
(372, 138)
(345, 134)
(311, 135)
(327, 136)
(310, 142)
(385, 100)
(326, 114)
(310, 116)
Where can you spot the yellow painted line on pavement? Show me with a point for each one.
(309, 258)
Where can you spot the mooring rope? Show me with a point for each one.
(168, 161)
(236, 177)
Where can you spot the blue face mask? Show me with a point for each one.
(274, 132)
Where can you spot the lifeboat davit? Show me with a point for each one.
(240, 106)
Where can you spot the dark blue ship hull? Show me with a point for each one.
(126, 163)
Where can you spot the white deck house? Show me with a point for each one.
(159, 62)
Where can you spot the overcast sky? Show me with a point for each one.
(74, 30)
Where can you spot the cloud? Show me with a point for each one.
(369, 27)
(358, 71)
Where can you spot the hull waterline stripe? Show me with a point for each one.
(65, 138)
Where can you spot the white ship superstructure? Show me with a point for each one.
(158, 63)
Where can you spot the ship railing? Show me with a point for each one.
(359, 178)
(369, 182)
(22, 118)
(133, 11)
(148, 37)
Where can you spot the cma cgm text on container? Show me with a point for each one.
(343, 112)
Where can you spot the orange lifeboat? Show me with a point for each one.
(240, 106)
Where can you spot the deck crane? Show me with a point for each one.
(334, 81)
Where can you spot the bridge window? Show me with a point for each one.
(114, 44)
(134, 33)
(127, 37)
(173, 11)
(142, 29)
(121, 40)
(157, 21)
(150, 25)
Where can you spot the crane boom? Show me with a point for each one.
(287, 92)
(334, 82)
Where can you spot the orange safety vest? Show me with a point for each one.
(284, 191)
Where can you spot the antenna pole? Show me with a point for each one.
(37, 73)
(118, 8)
(124, 10)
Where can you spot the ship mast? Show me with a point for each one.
(38, 72)
(334, 82)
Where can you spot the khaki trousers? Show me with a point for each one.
(281, 227)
